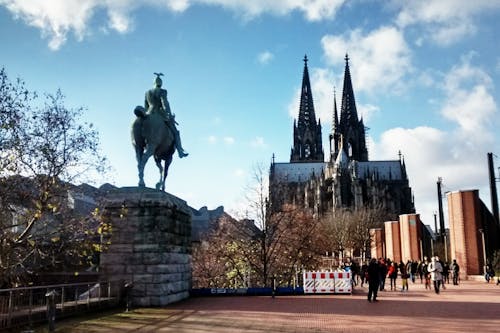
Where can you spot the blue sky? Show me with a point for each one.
(425, 76)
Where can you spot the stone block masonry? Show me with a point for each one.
(150, 245)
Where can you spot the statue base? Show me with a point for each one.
(150, 245)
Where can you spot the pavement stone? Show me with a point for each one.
(468, 307)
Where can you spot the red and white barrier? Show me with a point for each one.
(327, 282)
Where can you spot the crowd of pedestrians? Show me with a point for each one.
(434, 273)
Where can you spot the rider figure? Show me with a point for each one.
(156, 99)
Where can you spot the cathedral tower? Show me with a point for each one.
(349, 126)
(307, 142)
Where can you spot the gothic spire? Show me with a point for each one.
(348, 112)
(307, 144)
(350, 126)
(334, 134)
(307, 117)
(335, 121)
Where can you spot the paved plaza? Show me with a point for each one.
(470, 307)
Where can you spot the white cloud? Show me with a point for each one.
(469, 102)
(459, 154)
(431, 153)
(452, 33)
(240, 173)
(119, 20)
(216, 121)
(258, 142)
(228, 140)
(212, 139)
(380, 59)
(497, 67)
(445, 21)
(313, 10)
(57, 18)
(265, 57)
(367, 111)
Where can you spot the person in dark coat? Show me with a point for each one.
(373, 280)
(455, 269)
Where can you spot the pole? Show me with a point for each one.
(445, 249)
(421, 250)
(493, 188)
(435, 224)
(440, 205)
(484, 250)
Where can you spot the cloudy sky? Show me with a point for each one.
(425, 76)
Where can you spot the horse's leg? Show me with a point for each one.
(160, 167)
(140, 166)
(165, 172)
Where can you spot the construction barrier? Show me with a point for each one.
(327, 282)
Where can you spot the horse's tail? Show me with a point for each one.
(139, 111)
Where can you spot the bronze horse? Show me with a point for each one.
(152, 137)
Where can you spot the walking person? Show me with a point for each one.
(435, 269)
(382, 272)
(373, 274)
(489, 272)
(392, 273)
(446, 273)
(404, 278)
(426, 274)
(420, 270)
(364, 273)
(455, 270)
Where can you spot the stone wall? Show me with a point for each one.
(150, 245)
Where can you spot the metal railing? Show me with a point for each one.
(29, 305)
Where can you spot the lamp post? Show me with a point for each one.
(445, 248)
(484, 249)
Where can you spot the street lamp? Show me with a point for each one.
(484, 249)
(445, 248)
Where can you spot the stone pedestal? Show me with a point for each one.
(150, 245)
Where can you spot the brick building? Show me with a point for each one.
(474, 232)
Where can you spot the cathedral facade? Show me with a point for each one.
(347, 178)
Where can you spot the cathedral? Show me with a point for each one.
(347, 179)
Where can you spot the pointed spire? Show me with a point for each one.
(348, 112)
(307, 131)
(349, 124)
(342, 160)
(307, 116)
(335, 120)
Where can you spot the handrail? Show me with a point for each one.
(22, 306)
(58, 285)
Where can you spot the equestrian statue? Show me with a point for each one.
(154, 133)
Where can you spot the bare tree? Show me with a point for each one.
(251, 252)
(347, 229)
(43, 148)
(220, 260)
